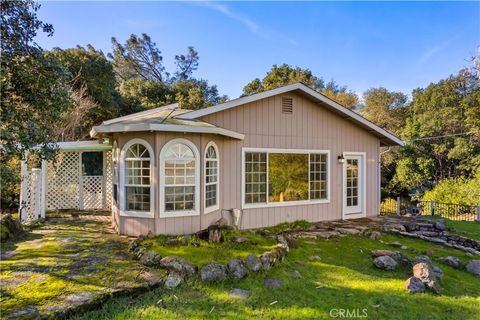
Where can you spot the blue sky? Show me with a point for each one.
(400, 46)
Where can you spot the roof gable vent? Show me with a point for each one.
(287, 105)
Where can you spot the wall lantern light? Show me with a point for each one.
(341, 159)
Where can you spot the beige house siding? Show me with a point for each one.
(265, 126)
(309, 127)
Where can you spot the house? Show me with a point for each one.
(281, 155)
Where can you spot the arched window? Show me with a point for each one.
(180, 194)
(211, 177)
(137, 167)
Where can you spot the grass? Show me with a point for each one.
(344, 278)
(37, 275)
(469, 229)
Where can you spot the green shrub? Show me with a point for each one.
(459, 191)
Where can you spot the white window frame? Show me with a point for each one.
(285, 203)
(182, 213)
(217, 206)
(121, 172)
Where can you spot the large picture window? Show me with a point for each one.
(282, 177)
(211, 177)
(180, 179)
(137, 178)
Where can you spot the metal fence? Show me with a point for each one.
(452, 211)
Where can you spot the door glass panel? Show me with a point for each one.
(352, 182)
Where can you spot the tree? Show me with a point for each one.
(442, 132)
(91, 77)
(186, 64)
(33, 89)
(285, 74)
(386, 109)
(144, 83)
(138, 57)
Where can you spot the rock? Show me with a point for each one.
(150, 259)
(268, 260)
(151, 278)
(253, 263)
(172, 242)
(237, 268)
(213, 272)
(414, 285)
(375, 235)
(239, 293)
(347, 231)
(272, 283)
(452, 262)
(396, 227)
(379, 253)
(214, 234)
(11, 228)
(424, 272)
(173, 280)
(440, 225)
(404, 247)
(327, 234)
(280, 252)
(177, 264)
(314, 258)
(395, 244)
(239, 239)
(291, 242)
(474, 267)
(399, 257)
(438, 272)
(385, 263)
(420, 259)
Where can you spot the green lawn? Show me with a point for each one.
(344, 278)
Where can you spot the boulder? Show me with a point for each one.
(268, 259)
(150, 259)
(440, 225)
(474, 267)
(375, 235)
(253, 263)
(395, 244)
(395, 227)
(385, 263)
(272, 283)
(379, 253)
(414, 285)
(438, 272)
(239, 293)
(347, 231)
(280, 252)
(400, 257)
(452, 262)
(314, 258)
(213, 272)
(10, 227)
(237, 268)
(174, 279)
(177, 264)
(425, 273)
(134, 245)
(420, 259)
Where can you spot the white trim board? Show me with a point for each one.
(217, 206)
(285, 203)
(363, 213)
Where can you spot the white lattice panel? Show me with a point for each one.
(31, 206)
(92, 192)
(64, 182)
(108, 179)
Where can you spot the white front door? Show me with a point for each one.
(353, 185)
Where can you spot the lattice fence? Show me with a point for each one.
(64, 182)
(93, 192)
(32, 198)
(108, 179)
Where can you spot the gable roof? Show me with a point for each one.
(386, 138)
(160, 119)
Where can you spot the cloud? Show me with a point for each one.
(432, 51)
(231, 14)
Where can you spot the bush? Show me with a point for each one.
(10, 178)
(459, 191)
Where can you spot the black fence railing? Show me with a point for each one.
(452, 211)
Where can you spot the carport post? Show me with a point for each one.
(43, 197)
(478, 213)
(23, 191)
